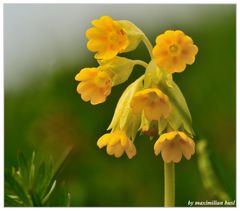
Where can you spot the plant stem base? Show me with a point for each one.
(169, 184)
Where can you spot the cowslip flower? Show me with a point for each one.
(173, 50)
(173, 145)
(95, 84)
(107, 38)
(117, 143)
(152, 102)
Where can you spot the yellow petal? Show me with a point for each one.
(110, 150)
(104, 23)
(138, 103)
(86, 85)
(176, 153)
(116, 138)
(166, 156)
(86, 74)
(103, 140)
(171, 135)
(152, 112)
(94, 33)
(157, 147)
(97, 98)
(172, 153)
(118, 150)
(106, 54)
(186, 150)
(125, 141)
(131, 150)
(96, 45)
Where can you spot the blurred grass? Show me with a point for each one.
(32, 182)
(48, 115)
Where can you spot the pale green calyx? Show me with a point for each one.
(134, 34)
(119, 68)
(124, 118)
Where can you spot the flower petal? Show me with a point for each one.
(103, 140)
(131, 150)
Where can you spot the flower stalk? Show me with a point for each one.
(148, 45)
(141, 63)
(169, 184)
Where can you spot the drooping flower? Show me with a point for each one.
(153, 102)
(173, 50)
(173, 145)
(107, 38)
(117, 143)
(95, 84)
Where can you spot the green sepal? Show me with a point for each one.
(180, 116)
(154, 75)
(119, 68)
(162, 124)
(124, 118)
(145, 123)
(134, 34)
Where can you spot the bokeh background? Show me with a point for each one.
(45, 47)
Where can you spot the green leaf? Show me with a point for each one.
(68, 200)
(33, 183)
(42, 176)
(49, 192)
(23, 167)
(17, 188)
(11, 200)
(210, 179)
(35, 199)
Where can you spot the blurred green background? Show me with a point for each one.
(45, 47)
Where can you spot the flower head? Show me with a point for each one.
(173, 50)
(95, 84)
(153, 102)
(117, 143)
(107, 38)
(173, 145)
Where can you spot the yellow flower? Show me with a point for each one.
(173, 50)
(173, 145)
(153, 102)
(95, 84)
(117, 143)
(107, 38)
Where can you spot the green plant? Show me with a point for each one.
(32, 182)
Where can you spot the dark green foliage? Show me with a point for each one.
(33, 182)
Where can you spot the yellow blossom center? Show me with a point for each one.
(115, 35)
(102, 80)
(153, 96)
(173, 48)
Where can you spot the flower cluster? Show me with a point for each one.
(153, 104)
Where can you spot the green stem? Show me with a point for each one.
(169, 184)
(140, 62)
(148, 44)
